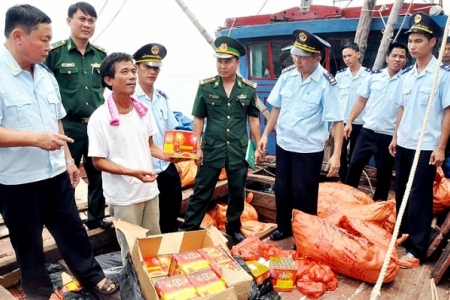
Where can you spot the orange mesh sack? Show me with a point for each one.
(253, 228)
(345, 253)
(188, 172)
(208, 220)
(441, 192)
(223, 174)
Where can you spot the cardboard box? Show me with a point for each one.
(239, 282)
(180, 144)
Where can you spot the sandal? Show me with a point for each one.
(106, 286)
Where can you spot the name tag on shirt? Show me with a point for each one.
(68, 65)
(211, 96)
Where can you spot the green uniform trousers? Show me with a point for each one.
(79, 148)
(205, 183)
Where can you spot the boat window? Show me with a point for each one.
(259, 60)
(281, 56)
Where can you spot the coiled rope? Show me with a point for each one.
(376, 289)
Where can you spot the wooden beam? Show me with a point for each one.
(363, 29)
(442, 265)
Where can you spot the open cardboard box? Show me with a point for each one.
(141, 246)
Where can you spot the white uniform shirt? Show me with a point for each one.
(30, 104)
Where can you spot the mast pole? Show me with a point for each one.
(363, 29)
(258, 103)
(388, 32)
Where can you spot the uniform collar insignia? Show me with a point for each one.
(241, 96)
(216, 83)
(239, 82)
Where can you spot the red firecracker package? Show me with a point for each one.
(283, 272)
(187, 262)
(180, 143)
(230, 265)
(207, 282)
(175, 288)
(214, 254)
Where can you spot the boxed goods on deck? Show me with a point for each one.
(186, 248)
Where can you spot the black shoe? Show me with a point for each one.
(103, 224)
(237, 236)
(279, 235)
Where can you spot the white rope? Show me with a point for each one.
(232, 25)
(403, 21)
(101, 10)
(368, 180)
(376, 290)
(113, 18)
(262, 7)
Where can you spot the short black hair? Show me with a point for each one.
(350, 44)
(108, 65)
(25, 16)
(394, 45)
(84, 7)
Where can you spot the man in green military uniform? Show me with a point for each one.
(76, 65)
(227, 101)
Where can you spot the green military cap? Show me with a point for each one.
(227, 47)
(307, 44)
(150, 54)
(422, 23)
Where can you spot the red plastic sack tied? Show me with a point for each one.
(345, 253)
(441, 192)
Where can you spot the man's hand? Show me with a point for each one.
(199, 159)
(347, 130)
(262, 145)
(393, 146)
(437, 157)
(52, 141)
(258, 157)
(333, 165)
(74, 174)
(145, 176)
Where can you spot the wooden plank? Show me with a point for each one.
(441, 265)
(10, 279)
(220, 191)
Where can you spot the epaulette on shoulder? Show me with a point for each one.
(208, 80)
(250, 83)
(368, 70)
(407, 69)
(58, 44)
(46, 68)
(341, 70)
(99, 48)
(329, 77)
(287, 69)
(375, 71)
(446, 67)
(162, 94)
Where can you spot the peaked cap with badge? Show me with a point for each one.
(422, 23)
(227, 47)
(308, 44)
(151, 54)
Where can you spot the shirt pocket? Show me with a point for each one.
(68, 79)
(308, 104)
(344, 90)
(53, 103)
(376, 90)
(406, 94)
(213, 107)
(96, 79)
(241, 108)
(18, 111)
(424, 95)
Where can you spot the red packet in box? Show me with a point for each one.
(207, 282)
(214, 254)
(165, 261)
(187, 262)
(283, 272)
(175, 288)
(180, 144)
(230, 265)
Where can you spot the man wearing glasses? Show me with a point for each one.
(304, 101)
(76, 65)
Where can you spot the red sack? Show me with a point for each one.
(345, 253)
(441, 192)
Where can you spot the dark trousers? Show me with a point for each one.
(296, 184)
(79, 148)
(170, 196)
(204, 185)
(419, 210)
(26, 208)
(346, 155)
(371, 143)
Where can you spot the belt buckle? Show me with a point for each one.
(84, 120)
